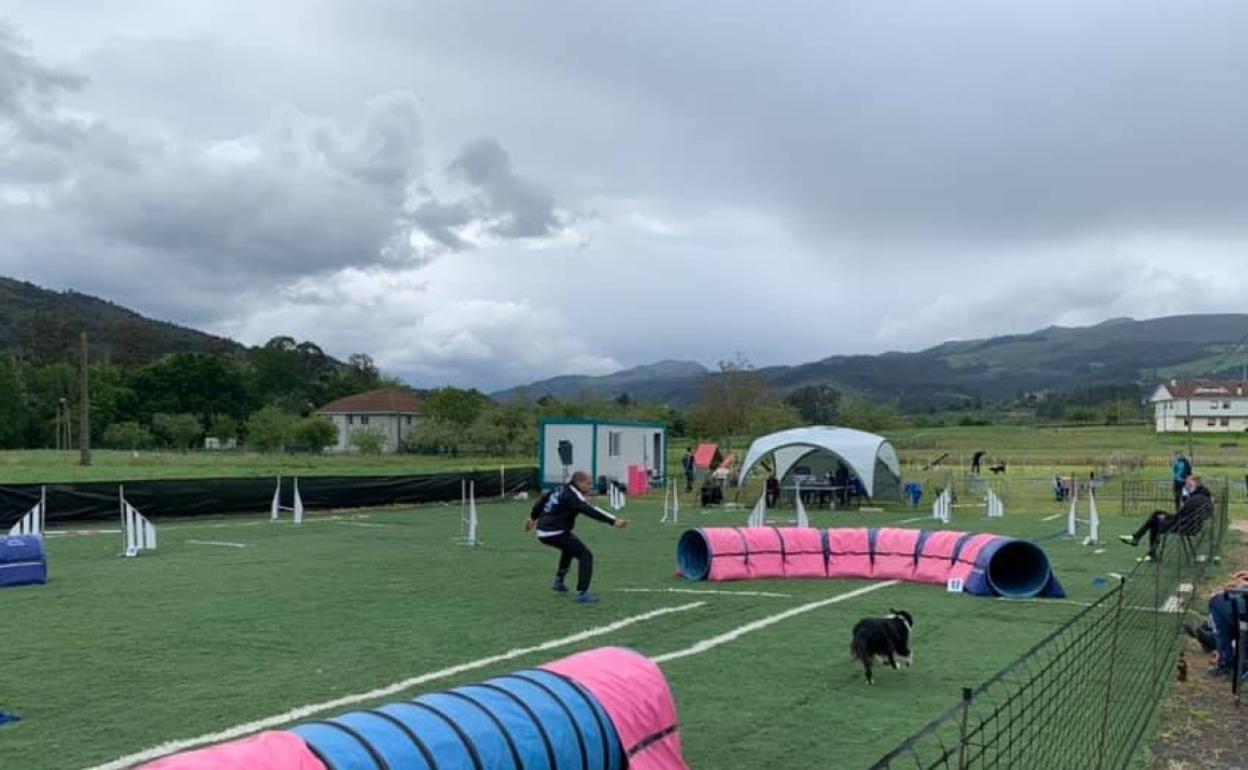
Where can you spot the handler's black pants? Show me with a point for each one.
(570, 547)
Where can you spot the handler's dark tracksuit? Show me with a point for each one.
(555, 514)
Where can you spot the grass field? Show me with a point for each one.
(1029, 450)
(117, 655)
(48, 466)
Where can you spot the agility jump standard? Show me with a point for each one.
(137, 533)
(276, 507)
(468, 513)
(34, 521)
(1093, 520)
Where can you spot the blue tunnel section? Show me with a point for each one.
(1017, 569)
(531, 720)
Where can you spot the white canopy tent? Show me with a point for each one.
(868, 456)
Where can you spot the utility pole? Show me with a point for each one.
(84, 425)
(1190, 458)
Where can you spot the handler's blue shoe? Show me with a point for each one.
(585, 597)
(559, 586)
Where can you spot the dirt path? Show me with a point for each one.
(1201, 729)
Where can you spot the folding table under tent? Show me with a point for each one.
(868, 457)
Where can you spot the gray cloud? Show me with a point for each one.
(506, 204)
(232, 219)
(899, 172)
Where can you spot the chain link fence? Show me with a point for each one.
(1084, 696)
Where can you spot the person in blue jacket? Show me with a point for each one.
(554, 516)
(1180, 470)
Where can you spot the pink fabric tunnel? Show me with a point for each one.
(986, 564)
(604, 709)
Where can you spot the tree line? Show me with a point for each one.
(266, 398)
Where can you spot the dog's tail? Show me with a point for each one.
(858, 649)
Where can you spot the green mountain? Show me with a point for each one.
(1121, 350)
(43, 326)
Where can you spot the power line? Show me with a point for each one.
(1230, 352)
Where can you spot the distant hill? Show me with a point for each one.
(963, 372)
(666, 381)
(44, 325)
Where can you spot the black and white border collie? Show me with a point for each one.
(885, 638)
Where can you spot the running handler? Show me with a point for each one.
(554, 515)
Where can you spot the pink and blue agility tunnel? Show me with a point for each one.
(988, 565)
(22, 560)
(606, 709)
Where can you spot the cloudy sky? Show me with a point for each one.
(483, 193)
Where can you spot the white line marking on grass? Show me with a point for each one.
(217, 542)
(699, 591)
(251, 521)
(82, 532)
(1054, 516)
(303, 712)
(913, 519)
(1166, 609)
(770, 620)
(364, 524)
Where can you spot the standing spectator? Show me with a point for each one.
(686, 463)
(977, 461)
(773, 490)
(1180, 470)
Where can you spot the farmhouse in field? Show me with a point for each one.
(1212, 406)
(392, 413)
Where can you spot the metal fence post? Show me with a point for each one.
(1109, 677)
(966, 718)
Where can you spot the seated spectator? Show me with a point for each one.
(1225, 634)
(1197, 508)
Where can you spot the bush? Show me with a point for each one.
(315, 433)
(224, 427)
(270, 429)
(128, 435)
(368, 442)
(178, 430)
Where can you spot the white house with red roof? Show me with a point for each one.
(1212, 406)
(393, 413)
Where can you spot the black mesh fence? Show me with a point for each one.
(98, 500)
(1084, 696)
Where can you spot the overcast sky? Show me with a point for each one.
(483, 193)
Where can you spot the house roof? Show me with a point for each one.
(1177, 389)
(383, 401)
